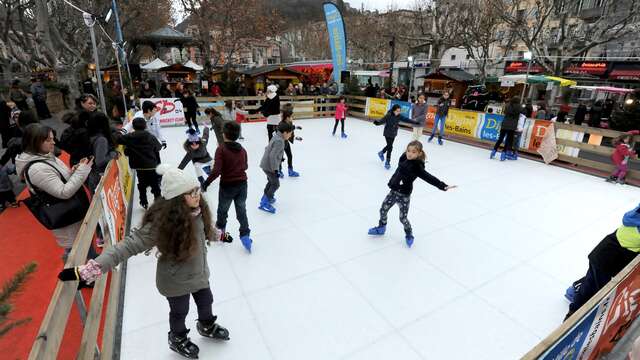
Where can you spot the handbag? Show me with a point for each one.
(51, 212)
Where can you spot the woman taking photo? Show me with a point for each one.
(44, 173)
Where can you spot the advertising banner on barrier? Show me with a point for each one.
(569, 135)
(405, 107)
(548, 148)
(598, 332)
(171, 112)
(377, 108)
(114, 206)
(490, 128)
(623, 311)
(125, 173)
(431, 117)
(536, 133)
(464, 123)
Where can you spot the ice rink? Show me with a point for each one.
(484, 279)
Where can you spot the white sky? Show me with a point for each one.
(380, 4)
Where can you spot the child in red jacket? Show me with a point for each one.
(621, 155)
(341, 114)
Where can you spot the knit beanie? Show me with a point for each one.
(175, 182)
(192, 136)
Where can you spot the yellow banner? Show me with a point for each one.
(125, 173)
(377, 108)
(464, 123)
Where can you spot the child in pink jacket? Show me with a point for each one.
(341, 114)
(621, 155)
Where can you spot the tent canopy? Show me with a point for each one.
(154, 65)
(194, 66)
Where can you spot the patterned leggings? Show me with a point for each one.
(403, 201)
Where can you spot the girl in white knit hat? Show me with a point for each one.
(180, 226)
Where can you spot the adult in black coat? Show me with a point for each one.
(391, 123)
(595, 114)
(581, 112)
(507, 130)
(190, 105)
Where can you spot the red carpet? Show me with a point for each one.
(22, 240)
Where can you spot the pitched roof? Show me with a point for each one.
(451, 73)
(267, 69)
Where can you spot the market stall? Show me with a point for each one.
(453, 80)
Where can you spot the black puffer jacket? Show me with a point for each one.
(392, 122)
(511, 116)
(407, 172)
(142, 149)
(270, 106)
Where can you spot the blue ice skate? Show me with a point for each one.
(378, 230)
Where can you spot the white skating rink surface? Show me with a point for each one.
(484, 279)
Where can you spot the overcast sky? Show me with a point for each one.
(380, 4)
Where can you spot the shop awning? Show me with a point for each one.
(562, 81)
(610, 89)
(625, 73)
(537, 79)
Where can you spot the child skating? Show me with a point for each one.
(341, 115)
(230, 165)
(287, 116)
(180, 226)
(196, 148)
(270, 164)
(441, 116)
(143, 150)
(391, 123)
(621, 155)
(410, 166)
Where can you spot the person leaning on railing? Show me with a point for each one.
(606, 260)
(38, 145)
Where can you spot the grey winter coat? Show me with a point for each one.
(172, 278)
(45, 178)
(273, 153)
(419, 113)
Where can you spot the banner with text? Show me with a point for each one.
(170, 111)
(337, 39)
(114, 206)
(461, 122)
(405, 107)
(377, 108)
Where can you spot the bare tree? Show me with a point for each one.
(225, 26)
(438, 23)
(555, 29)
(483, 37)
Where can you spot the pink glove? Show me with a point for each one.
(90, 271)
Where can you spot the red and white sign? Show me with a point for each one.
(170, 111)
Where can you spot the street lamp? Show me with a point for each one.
(528, 55)
(410, 65)
(90, 21)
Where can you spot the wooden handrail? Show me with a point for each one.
(47, 343)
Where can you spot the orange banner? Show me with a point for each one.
(114, 206)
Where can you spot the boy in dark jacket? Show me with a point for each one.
(441, 116)
(410, 167)
(230, 164)
(190, 105)
(143, 151)
(391, 123)
(270, 164)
